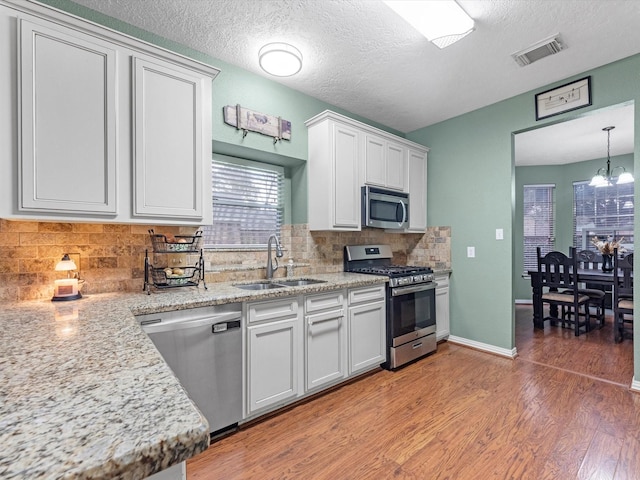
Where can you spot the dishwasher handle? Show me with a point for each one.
(221, 327)
(229, 320)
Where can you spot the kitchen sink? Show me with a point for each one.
(300, 282)
(259, 286)
(278, 284)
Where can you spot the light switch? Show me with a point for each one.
(471, 252)
(499, 234)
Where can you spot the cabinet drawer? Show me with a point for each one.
(367, 294)
(272, 310)
(324, 301)
(442, 280)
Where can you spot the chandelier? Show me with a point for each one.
(604, 176)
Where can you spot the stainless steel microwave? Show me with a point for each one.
(384, 208)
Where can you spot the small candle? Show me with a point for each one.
(66, 287)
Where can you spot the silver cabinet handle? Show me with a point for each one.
(324, 317)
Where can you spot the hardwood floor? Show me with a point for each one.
(561, 410)
(594, 354)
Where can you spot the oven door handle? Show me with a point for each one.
(413, 289)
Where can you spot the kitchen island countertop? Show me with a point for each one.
(85, 394)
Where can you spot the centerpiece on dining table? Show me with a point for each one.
(607, 249)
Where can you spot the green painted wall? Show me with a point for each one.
(563, 177)
(472, 187)
(471, 183)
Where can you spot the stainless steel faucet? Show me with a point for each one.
(270, 267)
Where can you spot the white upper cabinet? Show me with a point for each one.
(384, 163)
(333, 166)
(417, 182)
(168, 156)
(68, 121)
(345, 155)
(97, 126)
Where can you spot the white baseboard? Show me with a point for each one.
(524, 302)
(635, 385)
(485, 347)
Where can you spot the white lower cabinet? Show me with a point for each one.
(367, 330)
(299, 345)
(442, 306)
(325, 339)
(273, 353)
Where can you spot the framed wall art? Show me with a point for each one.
(564, 98)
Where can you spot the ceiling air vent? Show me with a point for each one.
(544, 48)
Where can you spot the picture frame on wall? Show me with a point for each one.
(565, 98)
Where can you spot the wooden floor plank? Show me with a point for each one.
(561, 410)
(601, 458)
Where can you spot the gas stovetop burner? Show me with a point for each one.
(376, 260)
(392, 270)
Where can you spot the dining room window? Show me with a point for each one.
(539, 222)
(605, 212)
(247, 204)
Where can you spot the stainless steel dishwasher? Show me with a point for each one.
(203, 347)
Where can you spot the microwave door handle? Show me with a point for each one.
(404, 213)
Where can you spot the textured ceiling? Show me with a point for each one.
(360, 56)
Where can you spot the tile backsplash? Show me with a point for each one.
(111, 256)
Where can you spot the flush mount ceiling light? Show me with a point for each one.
(604, 177)
(280, 59)
(443, 22)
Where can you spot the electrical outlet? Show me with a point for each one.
(471, 252)
(499, 234)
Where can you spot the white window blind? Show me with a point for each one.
(539, 222)
(247, 205)
(605, 212)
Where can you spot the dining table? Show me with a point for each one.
(604, 280)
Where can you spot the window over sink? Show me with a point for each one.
(248, 203)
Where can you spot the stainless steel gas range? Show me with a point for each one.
(411, 302)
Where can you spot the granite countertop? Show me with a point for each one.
(85, 394)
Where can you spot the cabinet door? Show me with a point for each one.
(367, 340)
(417, 183)
(346, 194)
(395, 166)
(273, 363)
(68, 121)
(442, 306)
(168, 168)
(375, 169)
(326, 348)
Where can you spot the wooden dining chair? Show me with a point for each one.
(623, 297)
(556, 273)
(590, 260)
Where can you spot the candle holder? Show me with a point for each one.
(66, 289)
